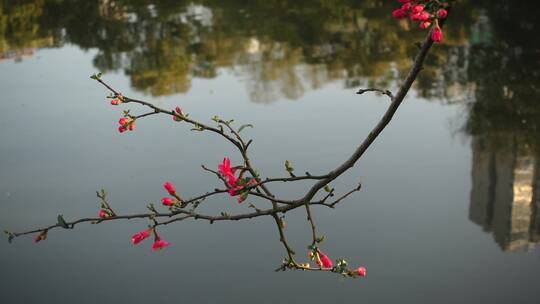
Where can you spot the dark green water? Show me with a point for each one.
(449, 211)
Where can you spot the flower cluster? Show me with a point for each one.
(158, 242)
(117, 99)
(168, 201)
(236, 185)
(324, 262)
(426, 12)
(126, 123)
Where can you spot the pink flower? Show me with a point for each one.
(225, 167)
(406, 6)
(425, 24)
(159, 244)
(167, 201)
(228, 173)
(139, 237)
(418, 8)
(122, 129)
(103, 213)
(424, 16)
(437, 34)
(325, 261)
(416, 16)
(170, 188)
(442, 13)
(131, 126)
(115, 102)
(399, 13)
(361, 271)
(178, 110)
(123, 120)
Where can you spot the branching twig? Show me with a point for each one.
(259, 186)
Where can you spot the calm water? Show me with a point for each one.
(449, 208)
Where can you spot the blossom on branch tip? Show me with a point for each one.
(442, 13)
(103, 213)
(324, 261)
(123, 121)
(115, 102)
(399, 13)
(437, 34)
(139, 237)
(225, 170)
(362, 271)
(167, 201)
(159, 244)
(170, 188)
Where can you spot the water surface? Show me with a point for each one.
(449, 207)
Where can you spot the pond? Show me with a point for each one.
(450, 199)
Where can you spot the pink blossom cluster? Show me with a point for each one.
(158, 242)
(426, 12)
(325, 262)
(126, 124)
(235, 184)
(168, 201)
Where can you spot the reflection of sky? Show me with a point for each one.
(409, 224)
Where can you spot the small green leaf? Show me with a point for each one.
(328, 189)
(96, 76)
(216, 118)
(319, 239)
(288, 166)
(244, 126)
(62, 221)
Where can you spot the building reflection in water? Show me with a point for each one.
(505, 195)
(503, 121)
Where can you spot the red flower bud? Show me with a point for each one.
(399, 13)
(170, 188)
(437, 34)
(325, 262)
(122, 129)
(417, 8)
(139, 237)
(167, 201)
(425, 24)
(442, 13)
(362, 271)
(424, 16)
(115, 102)
(159, 244)
(407, 6)
(103, 213)
(123, 120)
